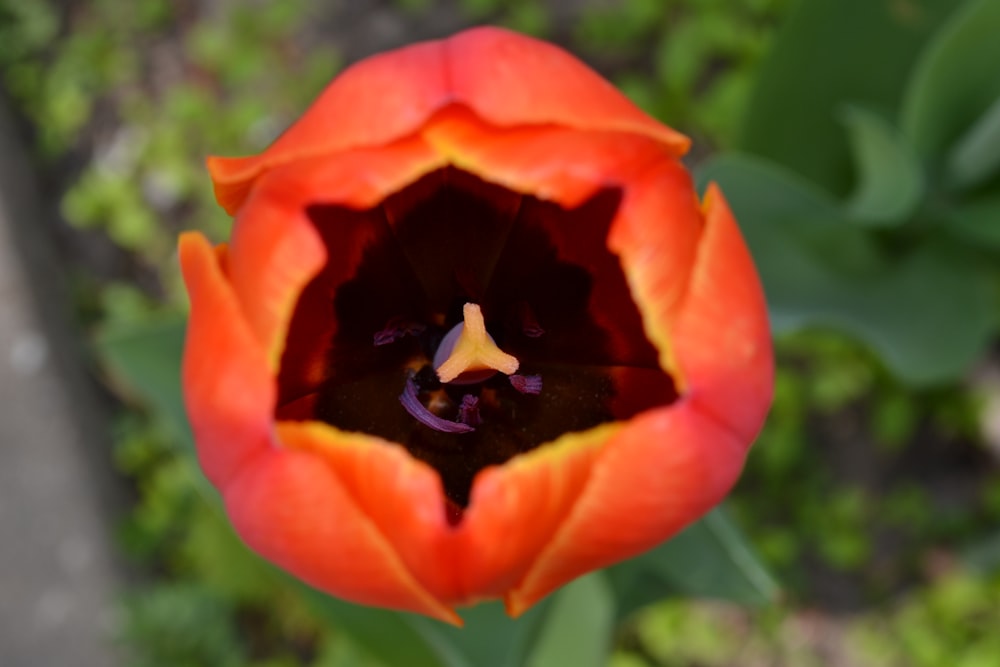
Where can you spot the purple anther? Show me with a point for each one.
(529, 323)
(527, 384)
(396, 328)
(468, 411)
(411, 403)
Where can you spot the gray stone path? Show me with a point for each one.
(58, 576)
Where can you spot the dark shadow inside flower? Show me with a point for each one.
(361, 346)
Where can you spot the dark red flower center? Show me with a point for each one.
(374, 333)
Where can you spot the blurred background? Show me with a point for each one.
(859, 144)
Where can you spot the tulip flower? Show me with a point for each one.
(474, 335)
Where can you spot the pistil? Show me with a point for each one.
(468, 354)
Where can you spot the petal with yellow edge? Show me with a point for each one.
(652, 478)
(229, 397)
(291, 508)
(277, 248)
(390, 96)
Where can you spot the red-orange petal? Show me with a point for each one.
(506, 78)
(276, 249)
(402, 496)
(517, 508)
(228, 389)
(721, 336)
(668, 466)
(554, 163)
(509, 79)
(661, 471)
(656, 235)
(372, 103)
(291, 508)
(514, 511)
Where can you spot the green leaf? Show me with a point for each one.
(490, 638)
(573, 626)
(929, 316)
(928, 312)
(977, 222)
(976, 156)
(829, 53)
(890, 183)
(710, 559)
(955, 80)
(802, 248)
(578, 627)
(144, 362)
(393, 638)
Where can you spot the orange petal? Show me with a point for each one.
(402, 496)
(658, 473)
(517, 508)
(509, 79)
(372, 103)
(656, 236)
(228, 389)
(554, 163)
(514, 510)
(721, 337)
(291, 508)
(276, 249)
(506, 78)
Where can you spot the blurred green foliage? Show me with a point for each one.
(866, 178)
(860, 185)
(689, 62)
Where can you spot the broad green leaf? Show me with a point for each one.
(828, 53)
(977, 222)
(710, 559)
(929, 316)
(393, 638)
(956, 79)
(578, 627)
(802, 247)
(144, 362)
(490, 638)
(928, 312)
(890, 182)
(572, 626)
(976, 156)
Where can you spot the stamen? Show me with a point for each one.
(468, 411)
(396, 328)
(527, 384)
(469, 354)
(411, 403)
